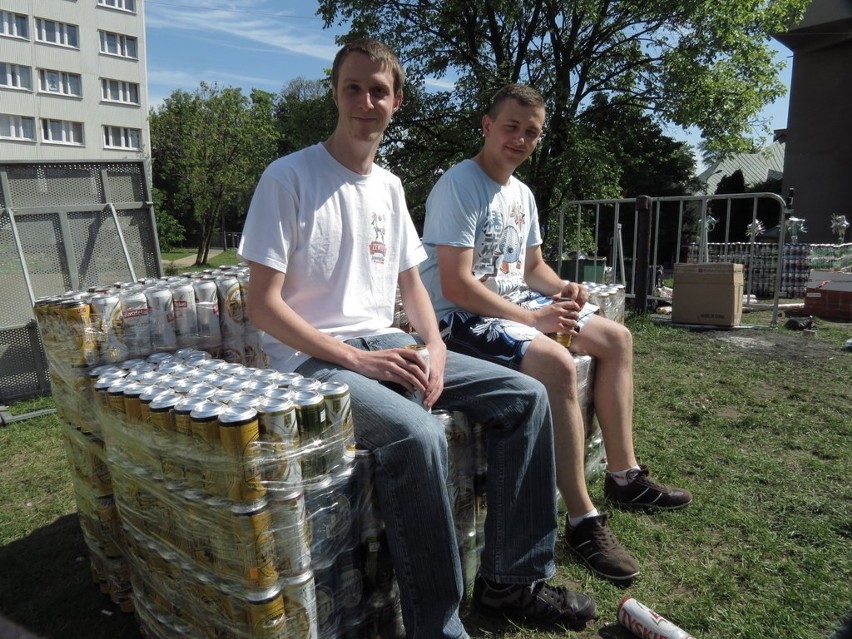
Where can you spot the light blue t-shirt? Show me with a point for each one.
(466, 208)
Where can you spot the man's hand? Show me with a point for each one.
(574, 291)
(558, 317)
(406, 368)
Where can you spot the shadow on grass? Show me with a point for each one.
(46, 588)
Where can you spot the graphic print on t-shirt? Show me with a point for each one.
(377, 247)
(499, 260)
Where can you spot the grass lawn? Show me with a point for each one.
(755, 422)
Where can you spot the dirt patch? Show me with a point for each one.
(780, 344)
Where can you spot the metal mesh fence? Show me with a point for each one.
(65, 226)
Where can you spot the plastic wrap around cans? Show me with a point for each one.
(106, 320)
(314, 454)
(328, 610)
(240, 433)
(135, 321)
(300, 603)
(161, 317)
(77, 319)
(186, 318)
(292, 531)
(231, 298)
(266, 614)
(279, 434)
(207, 313)
(250, 552)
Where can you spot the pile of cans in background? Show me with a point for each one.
(218, 497)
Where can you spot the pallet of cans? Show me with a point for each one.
(220, 498)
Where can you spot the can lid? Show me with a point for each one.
(207, 409)
(286, 379)
(272, 404)
(307, 398)
(164, 401)
(237, 415)
(334, 388)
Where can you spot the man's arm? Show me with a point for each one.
(540, 277)
(271, 314)
(459, 286)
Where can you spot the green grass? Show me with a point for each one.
(754, 422)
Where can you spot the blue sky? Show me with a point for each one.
(265, 43)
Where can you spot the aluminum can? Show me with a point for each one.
(203, 419)
(365, 491)
(132, 407)
(304, 384)
(250, 553)
(186, 318)
(328, 610)
(350, 589)
(207, 314)
(161, 309)
(266, 614)
(301, 605)
(101, 389)
(286, 379)
(644, 622)
(115, 394)
(106, 318)
(77, 315)
(279, 434)
(338, 413)
(292, 532)
(135, 324)
(240, 432)
(231, 305)
(423, 352)
(310, 418)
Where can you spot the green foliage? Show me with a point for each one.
(707, 65)
(305, 114)
(208, 150)
(170, 232)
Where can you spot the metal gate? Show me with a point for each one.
(65, 226)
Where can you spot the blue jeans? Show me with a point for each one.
(410, 451)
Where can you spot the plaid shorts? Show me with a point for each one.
(495, 339)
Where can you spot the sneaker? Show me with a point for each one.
(645, 492)
(536, 604)
(595, 545)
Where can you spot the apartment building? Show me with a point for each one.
(73, 82)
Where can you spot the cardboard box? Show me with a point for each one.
(709, 294)
(829, 294)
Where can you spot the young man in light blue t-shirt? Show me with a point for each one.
(497, 299)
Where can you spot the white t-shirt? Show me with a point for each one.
(466, 208)
(341, 238)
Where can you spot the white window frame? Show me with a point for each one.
(17, 127)
(65, 34)
(121, 5)
(119, 91)
(66, 83)
(14, 25)
(122, 43)
(16, 76)
(61, 132)
(122, 137)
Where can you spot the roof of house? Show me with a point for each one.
(756, 167)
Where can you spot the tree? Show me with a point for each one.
(208, 151)
(305, 114)
(693, 63)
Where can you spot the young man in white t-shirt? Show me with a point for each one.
(497, 299)
(328, 239)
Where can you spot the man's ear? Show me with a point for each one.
(486, 125)
(397, 102)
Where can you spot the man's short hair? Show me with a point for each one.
(522, 93)
(377, 52)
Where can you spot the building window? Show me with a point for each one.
(119, 91)
(14, 25)
(124, 5)
(121, 137)
(62, 132)
(15, 76)
(17, 127)
(52, 32)
(118, 44)
(50, 81)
